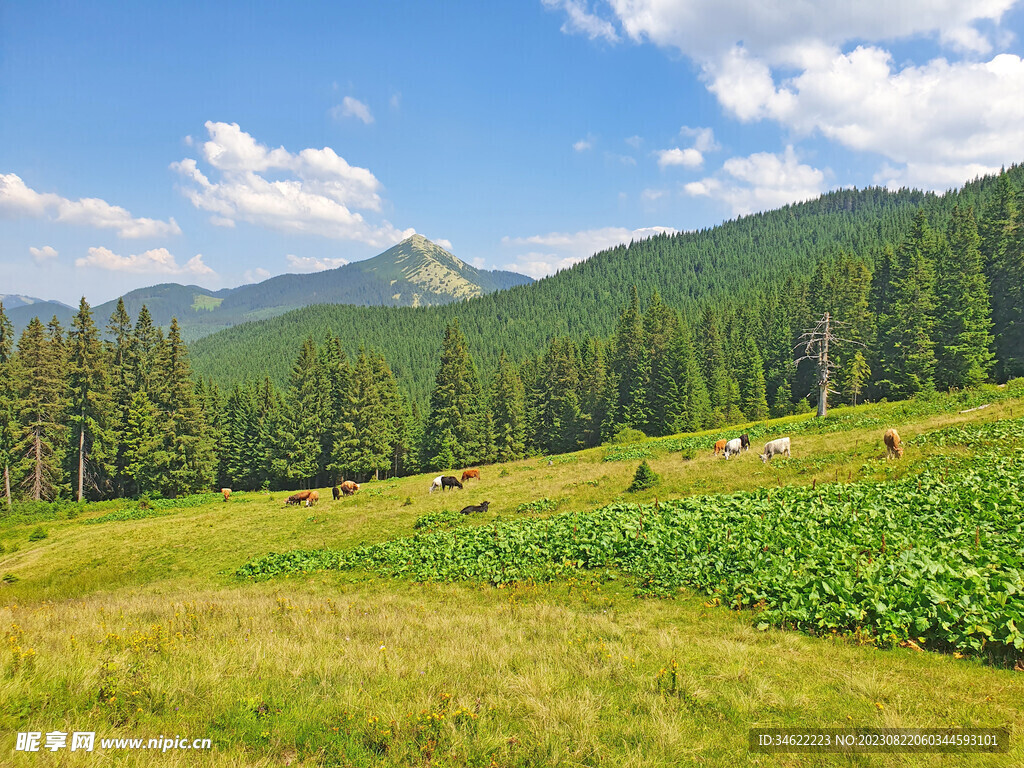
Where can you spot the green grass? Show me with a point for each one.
(203, 303)
(139, 627)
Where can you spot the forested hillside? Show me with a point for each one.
(930, 295)
(689, 270)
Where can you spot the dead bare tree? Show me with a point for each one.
(815, 343)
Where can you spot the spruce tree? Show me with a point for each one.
(963, 329)
(91, 411)
(630, 364)
(8, 425)
(123, 386)
(1001, 251)
(306, 411)
(140, 447)
(41, 397)
(455, 428)
(508, 410)
(712, 361)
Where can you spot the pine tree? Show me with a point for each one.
(184, 460)
(123, 385)
(140, 447)
(508, 409)
(8, 424)
(964, 318)
(1001, 251)
(306, 411)
(693, 390)
(455, 427)
(559, 425)
(753, 398)
(630, 364)
(595, 390)
(906, 356)
(91, 411)
(664, 402)
(858, 375)
(712, 361)
(41, 396)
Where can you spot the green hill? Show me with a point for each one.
(688, 269)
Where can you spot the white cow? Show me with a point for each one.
(775, 448)
(436, 484)
(733, 446)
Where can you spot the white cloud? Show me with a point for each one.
(155, 261)
(583, 145)
(17, 199)
(478, 262)
(257, 275)
(316, 195)
(351, 107)
(688, 158)
(563, 249)
(395, 101)
(777, 32)
(703, 138)
(46, 253)
(930, 121)
(578, 19)
(760, 182)
(446, 244)
(650, 195)
(312, 264)
(634, 141)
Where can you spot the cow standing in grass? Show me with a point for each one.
(720, 446)
(449, 481)
(745, 441)
(893, 445)
(298, 497)
(226, 492)
(470, 473)
(733, 447)
(349, 487)
(312, 499)
(475, 508)
(435, 483)
(775, 448)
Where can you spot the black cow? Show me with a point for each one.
(745, 442)
(477, 508)
(337, 492)
(449, 481)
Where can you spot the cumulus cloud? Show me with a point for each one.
(18, 199)
(155, 261)
(760, 182)
(257, 275)
(351, 107)
(444, 243)
(583, 145)
(313, 264)
(46, 253)
(703, 138)
(555, 251)
(688, 158)
(313, 191)
(579, 20)
(931, 122)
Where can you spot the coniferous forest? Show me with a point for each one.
(928, 292)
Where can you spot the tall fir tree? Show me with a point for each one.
(964, 317)
(713, 365)
(455, 428)
(91, 413)
(630, 365)
(1000, 244)
(305, 418)
(41, 396)
(8, 424)
(508, 409)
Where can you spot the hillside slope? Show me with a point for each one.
(688, 269)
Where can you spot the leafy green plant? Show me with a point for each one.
(539, 506)
(38, 534)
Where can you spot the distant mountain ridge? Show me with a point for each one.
(414, 273)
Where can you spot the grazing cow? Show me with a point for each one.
(349, 487)
(298, 497)
(435, 483)
(336, 492)
(745, 441)
(312, 499)
(720, 446)
(448, 481)
(775, 448)
(470, 473)
(226, 492)
(734, 446)
(893, 445)
(477, 508)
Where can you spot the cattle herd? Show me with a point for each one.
(725, 447)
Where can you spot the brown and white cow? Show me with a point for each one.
(298, 497)
(349, 487)
(312, 499)
(226, 492)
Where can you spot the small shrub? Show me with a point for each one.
(504, 472)
(644, 478)
(38, 534)
(9, 578)
(688, 454)
(446, 518)
(627, 435)
(539, 506)
(407, 502)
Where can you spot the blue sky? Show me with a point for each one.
(218, 143)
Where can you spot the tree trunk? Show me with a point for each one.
(81, 462)
(37, 475)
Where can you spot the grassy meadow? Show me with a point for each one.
(131, 622)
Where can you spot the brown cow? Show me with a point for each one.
(312, 499)
(226, 492)
(470, 473)
(892, 444)
(298, 497)
(720, 446)
(336, 491)
(348, 487)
